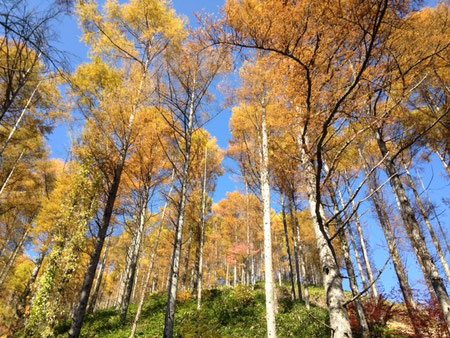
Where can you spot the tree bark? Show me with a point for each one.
(373, 286)
(98, 281)
(414, 231)
(331, 276)
(135, 256)
(301, 273)
(184, 280)
(436, 217)
(80, 311)
(5, 183)
(265, 192)
(360, 313)
(12, 257)
(202, 237)
(150, 269)
(288, 249)
(175, 265)
(428, 223)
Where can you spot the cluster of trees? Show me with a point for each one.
(337, 102)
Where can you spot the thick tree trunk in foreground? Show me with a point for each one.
(288, 249)
(332, 279)
(265, 194)
(414, 231)
(80, 311)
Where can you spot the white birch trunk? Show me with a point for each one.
(202, 237)
(268, 266)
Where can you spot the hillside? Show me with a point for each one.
(225, 312)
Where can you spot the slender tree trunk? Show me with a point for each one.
(12, 257)
(175, 266)
(184, 281)
(24, 298)
(80, 311)
(301, 274)
(288, 249)
(98, 281)
(445, 164)
(265, 193)
(19, 119)
(428, 223)
(5, 183)
(126, 273)
(135, 256)
(227, 273)
(247, 223)
(352, 240)
(436, 217)
(150, 269)
(360, 313)
(400, 271)
(202, 237)
(364, 248)
(415, 233)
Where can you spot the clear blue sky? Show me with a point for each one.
(59, 143)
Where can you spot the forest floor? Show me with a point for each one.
(226, 312)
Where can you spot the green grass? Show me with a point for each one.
(226, 312)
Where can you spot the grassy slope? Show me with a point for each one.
(225, 312)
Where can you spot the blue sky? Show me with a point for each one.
(432, 173)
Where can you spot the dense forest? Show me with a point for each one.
(339, 125)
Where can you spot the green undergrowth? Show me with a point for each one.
(227, 312)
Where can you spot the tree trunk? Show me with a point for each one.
(400, 271)
(12, 257)
(150, 269)
(98, 281)
(288, 249)
(24, 298)
(428, 223)
(301, 253)
(265, 194)
(175, 265)
(247, 223)
(331, 276)
(80, 311)
(135, 256)
(19, 119)
(184, 280)
(445, 164)
(415, 233)
(126, 273)
(352, 240)
(5, 183)
(360, 313)
(202, 238)
(436, 217)
(364, 248)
